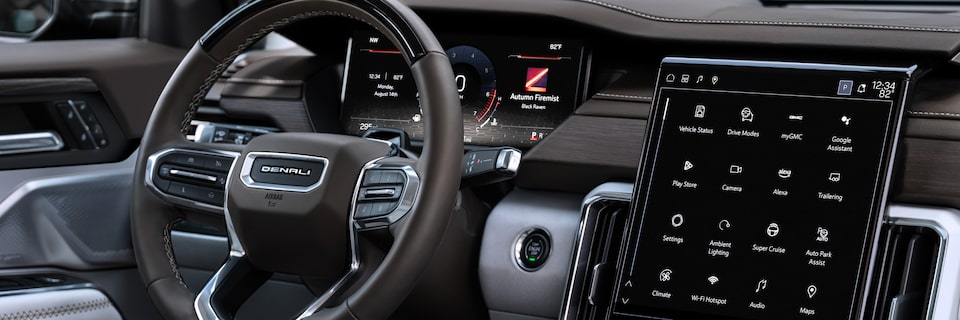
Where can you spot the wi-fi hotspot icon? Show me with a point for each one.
(713, 279)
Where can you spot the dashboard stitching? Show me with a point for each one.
(253, 38)
(770, 23)
(930, 113)
(614, 95)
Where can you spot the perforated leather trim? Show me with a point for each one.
(59, 311)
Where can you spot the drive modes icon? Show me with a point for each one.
(746, 115)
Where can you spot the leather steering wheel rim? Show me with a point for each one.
(438, 166)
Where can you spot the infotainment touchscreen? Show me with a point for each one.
(761, 190)
(514, 91)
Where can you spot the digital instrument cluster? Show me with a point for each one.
(761, 190)
(513, 91)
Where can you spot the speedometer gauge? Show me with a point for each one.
(477, 84)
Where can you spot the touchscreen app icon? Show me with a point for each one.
(773, 229)
(665, 275)
(823, 234)
(746, 115)
(761, 285)
(676, 220)
(700, 112)
(834, 177)
(536, 79)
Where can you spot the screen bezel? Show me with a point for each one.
(449, 40)
(881, 185)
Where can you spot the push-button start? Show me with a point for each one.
(532, 249)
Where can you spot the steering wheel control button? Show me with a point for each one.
(185, 174)
(375, 209)
(533, 248)
(205, 195)
(380, 193)
(382, 177)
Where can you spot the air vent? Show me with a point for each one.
(905, 274)
(602, 249)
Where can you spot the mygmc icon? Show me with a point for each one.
(285, 170)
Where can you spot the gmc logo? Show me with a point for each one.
(285, 170)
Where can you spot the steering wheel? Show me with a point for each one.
(294, 202)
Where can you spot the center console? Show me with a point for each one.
(761, 194)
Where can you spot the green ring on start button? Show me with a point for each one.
(532, 249)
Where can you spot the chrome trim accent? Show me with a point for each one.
(202, 304)
(13, 37)
(322, 300)
(518, 248)
(152, 168)
(513, 163)
(247, 168)
(945, 292)
(205, 129)
(411, 192)
(189, 174)
(48, 289)
(30, 142)
(576, 281)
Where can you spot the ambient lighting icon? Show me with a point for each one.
(536, 79)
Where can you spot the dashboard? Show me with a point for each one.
(793, 162)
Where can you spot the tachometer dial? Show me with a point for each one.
(477, 84)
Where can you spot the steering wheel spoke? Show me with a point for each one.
(190, 176)
(229, 288)
(386, 192)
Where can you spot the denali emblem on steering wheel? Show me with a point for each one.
(286, 170)
(282, 171)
